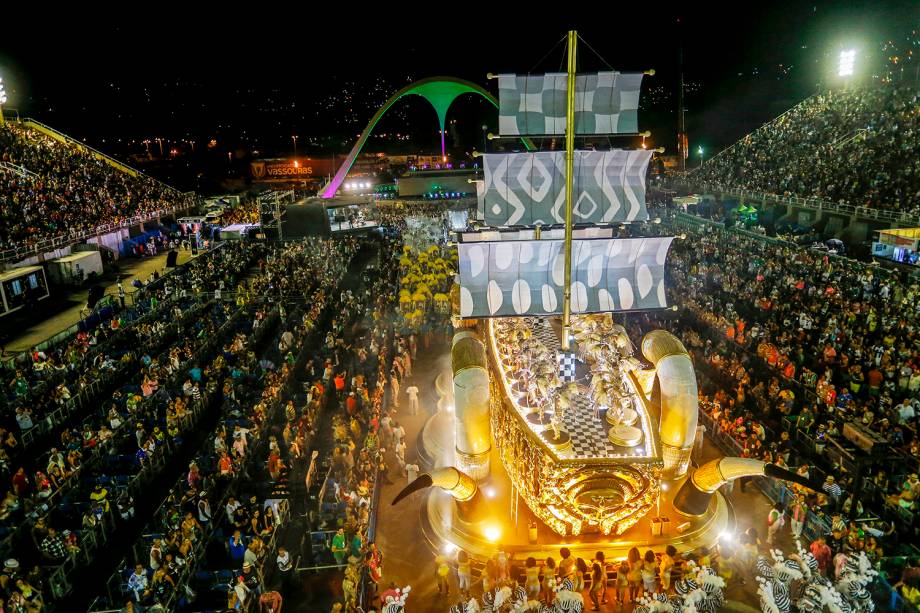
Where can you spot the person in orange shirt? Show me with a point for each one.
(874, 377)
(340, 383)
(225, 465)
(351, 403)
(830, 354)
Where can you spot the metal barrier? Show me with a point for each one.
(816, 204)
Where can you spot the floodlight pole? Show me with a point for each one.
(2, 102)
(569, 189)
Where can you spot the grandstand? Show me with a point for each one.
(855, 147)
(55, 191)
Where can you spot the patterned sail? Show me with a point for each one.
(530, 234)
(605, 103)
(529, 188)
(508, 278)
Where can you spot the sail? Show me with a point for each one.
(605, 103)
(529, 188)
(508, 278)
(530, 234)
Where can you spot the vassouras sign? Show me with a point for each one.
(270, 170)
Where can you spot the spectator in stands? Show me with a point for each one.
(856, 146)
(53, 547)
(63, 190)
(137, 583)
(236, 547)
(285, 567)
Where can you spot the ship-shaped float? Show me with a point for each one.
(592, 433)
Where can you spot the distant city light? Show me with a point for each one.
(847, 61)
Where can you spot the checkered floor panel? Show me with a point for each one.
(589, 434)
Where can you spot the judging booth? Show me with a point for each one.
(21, 286)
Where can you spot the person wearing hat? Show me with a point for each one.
(11, 569)
(831, 488)
(252, 579)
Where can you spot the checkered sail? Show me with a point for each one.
(605, 103)
(529, 188)
(508, 278)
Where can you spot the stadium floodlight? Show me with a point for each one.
(847, 62)
(2, 100)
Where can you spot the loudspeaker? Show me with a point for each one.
(171, 259)
(95, 295)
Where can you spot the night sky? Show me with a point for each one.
(250, 77)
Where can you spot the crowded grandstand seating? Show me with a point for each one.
(59, 189)
(200, 541)
(793, 349)
(75, 483)
(858, 146)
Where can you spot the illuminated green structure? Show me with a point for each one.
(439, 91)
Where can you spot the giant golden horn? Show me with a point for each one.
(470, 501)
(472, 441)
(679, 402)
(694, 495)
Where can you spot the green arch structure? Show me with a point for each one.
(440, 92)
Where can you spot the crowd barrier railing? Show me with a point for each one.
(816, 204)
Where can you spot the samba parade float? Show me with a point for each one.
(551, 402)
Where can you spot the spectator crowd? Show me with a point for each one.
(64, 189)
(854, 146)
(791, 347)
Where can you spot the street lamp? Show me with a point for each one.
(485, 129)
(2, 100)
(160, 141)
(294, 137)
(699, 151)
